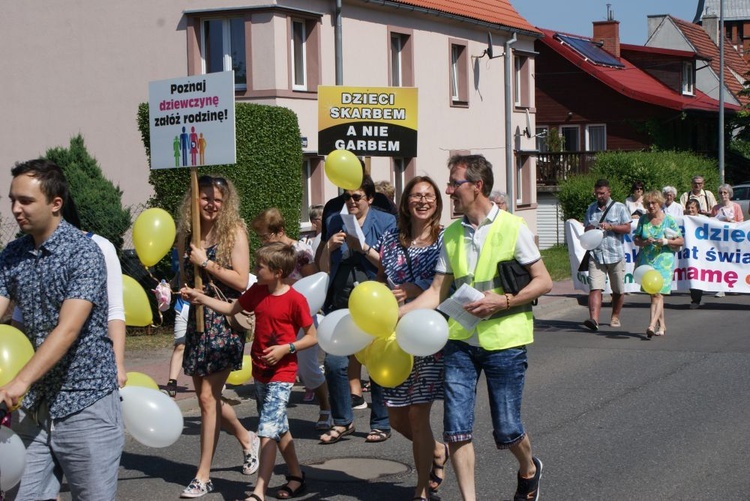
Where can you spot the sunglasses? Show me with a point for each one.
(211, 181)
(356, 197)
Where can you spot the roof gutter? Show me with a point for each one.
(454, 17)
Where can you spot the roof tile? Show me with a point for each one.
(499, 12)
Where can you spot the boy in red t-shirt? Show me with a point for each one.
(280, 312)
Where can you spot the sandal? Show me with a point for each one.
(336, 433)
(172, 388)
(286, 492)
(324, 424)
(250, 457)
(650, 332)
(434, 479)
(376, 436)
(253, 497)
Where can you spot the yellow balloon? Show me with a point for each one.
(244, 374)
(137, 308)
(652, 282)
(344, 169)
(15, 352)
(387, 364)
(361, 355)
(153, 235)
(374, 308)
(141, 379)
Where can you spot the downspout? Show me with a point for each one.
(510, 165)
(338, 46)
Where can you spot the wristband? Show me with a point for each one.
(665, 241)
(292, 348)
(507, 301)
(204, 264)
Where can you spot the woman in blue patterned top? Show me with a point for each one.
(407, 256)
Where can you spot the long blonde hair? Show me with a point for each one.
(229, 220)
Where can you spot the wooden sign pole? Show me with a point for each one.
(196, 240)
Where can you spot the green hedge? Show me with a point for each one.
(268, 172)
(655, 169)
(99, 202)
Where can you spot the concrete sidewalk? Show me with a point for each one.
(156, 363)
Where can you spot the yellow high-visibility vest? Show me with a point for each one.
(506, 329)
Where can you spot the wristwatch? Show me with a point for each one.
(292, 348)
(204, 264)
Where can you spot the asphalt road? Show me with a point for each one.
(612, 415)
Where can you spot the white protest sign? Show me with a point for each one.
(715, 256)
(191, 120)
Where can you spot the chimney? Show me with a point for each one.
(608, 32)
(710, 23)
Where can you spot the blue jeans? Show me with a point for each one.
(505, 371)
(341, 399)
(85, 446)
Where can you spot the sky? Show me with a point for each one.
(576, 16)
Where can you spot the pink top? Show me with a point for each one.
(731, 213)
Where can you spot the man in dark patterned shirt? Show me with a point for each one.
(70, 418)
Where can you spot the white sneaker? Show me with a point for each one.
(197, 489)
(719, 294)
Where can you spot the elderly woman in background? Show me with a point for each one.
(634, 202)
(500, 198)
(657, 233)
(270, 226)
(671, 207)
(726, 210)
(223, 259)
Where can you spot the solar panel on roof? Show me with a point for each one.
(590, 50)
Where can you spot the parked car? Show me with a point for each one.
(742, 197)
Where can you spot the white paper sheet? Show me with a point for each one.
(351, 227)
(454, 306)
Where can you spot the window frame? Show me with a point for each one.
(458, 73)
(578, 135)
(522, 90)
(688, 78)
(295, 21)
(587, 135)
(405, 57)
(226, 49)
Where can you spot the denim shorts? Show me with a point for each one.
(505, 371)
(85, 446)
(272, 399)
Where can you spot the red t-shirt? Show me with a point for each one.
(277, 321)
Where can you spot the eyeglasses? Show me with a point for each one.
(455, 184)
(210, 181)
(356, 197)
(418, 197)
(696, 183)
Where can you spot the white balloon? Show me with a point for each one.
(591, 239)
(640, 271)
(12, 459)
(314, 288)
(151, 417)
(422, 332)
(339, 335)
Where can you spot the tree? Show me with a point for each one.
(99, 202)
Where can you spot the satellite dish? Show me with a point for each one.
(489, 45)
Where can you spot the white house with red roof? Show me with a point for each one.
(83, 67)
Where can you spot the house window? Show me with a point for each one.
(312, 185)
(223, 48)
(402, 69)
(521, 90)
(523, 180)
(688, 78)
(570, 137)
(459, 71)
(596, 137)
(299, 56)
